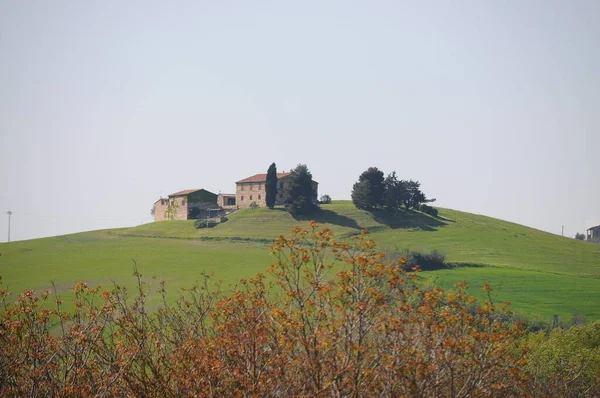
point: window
(250, 197)
(183, 202)
(258, 197)
(281, 185)
(162, 202)
(242, 188)
(242, 198)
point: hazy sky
(493, 105)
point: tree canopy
(299, 193)
(372, 191)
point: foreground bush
(566, 362)
(343, 323)
(199, 224)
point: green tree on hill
(413, 196)
(361, 195)
(369, 195)
(579, 236)
(299, 192)
(271, 186)
(395, 192)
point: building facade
(227, 201)
(253, 190)
(185, 205)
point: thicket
(340, 320)
(421, 260)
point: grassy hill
(540, 273)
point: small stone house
(593, 234)
(187, 205)
(252, 189)
(227, 201)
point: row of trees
(373, 191)
(298, 196)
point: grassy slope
(542, 274)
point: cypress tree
(271, 186)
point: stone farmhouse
(593, 234)
(193, 204)
(252, 189)
(186, 205)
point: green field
(540, 273)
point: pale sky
(493, 105)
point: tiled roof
(597, 226)
(184, 192)
(261, 178)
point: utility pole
(9, 214)
(562, 231)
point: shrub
(425, 261)
(204, 224)
(347, 323)
(428, 210)
(224, 219)
(579, 236)
(565, 362)
(325, 199)
(253, 205)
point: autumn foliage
(328, 319)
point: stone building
(593, 234)
(186, 205)
(227, 201)
(252, 189)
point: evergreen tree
(361, 195)
(299, 192)
(413, 196)
(395, 192)
(370, 195)
(271, 186)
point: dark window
(258, 197)
(242, 187)
(250, 197)
(183, 202)
(281, 185)
(162, 202)
(242, 198)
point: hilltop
(540, 273)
